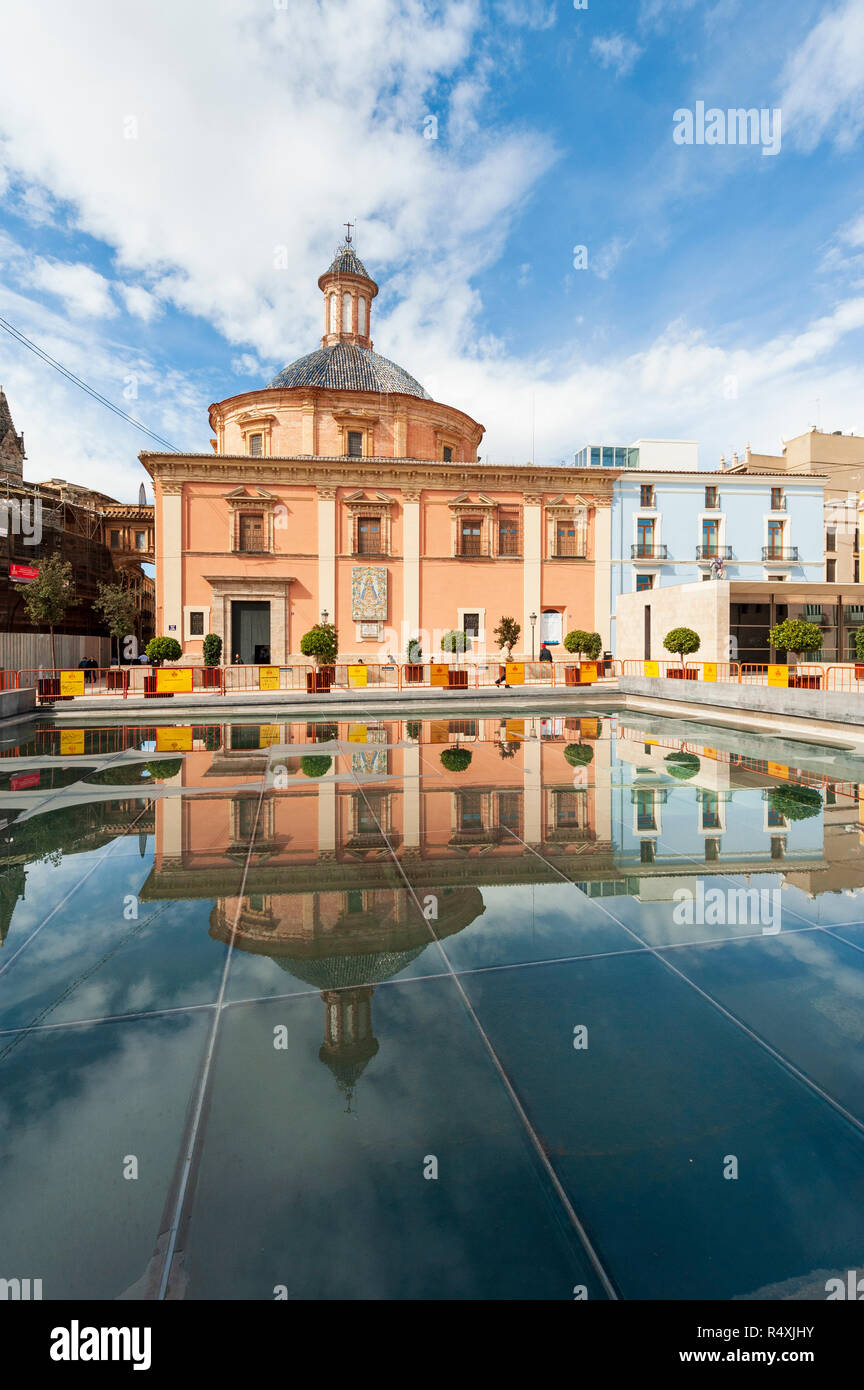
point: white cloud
(606, 259)
(247, 364)
(616, 52)
(82, 289)
(139, 302)
(823, 82)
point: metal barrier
(56, 683)
(9, 680)
(842, 678)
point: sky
(175, 177)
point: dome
(348, 367)
(347, 262)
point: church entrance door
(250, 632)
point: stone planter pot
(412, 674)
(152, 693)
(457, 680)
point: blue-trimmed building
(673, 527)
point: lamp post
(324, 615)
(532, 618)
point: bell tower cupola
(348, 291)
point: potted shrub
(315, 765)
(859, 654)
(455, 759)
(682, 641)
(212, 652)
(581, 643)
(457, 642)
(413, 672)
(682, 766)
(414, 729)
(160, 649)
(579, 754)
(794, 802)
(322, 644)
(795, 636)
(506, 634)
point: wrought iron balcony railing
(779, 552)
(649, 552)
(713, 552)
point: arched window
(334, 327)
(346, 313)
(361, 316)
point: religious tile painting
(369, 593)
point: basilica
(341, 490)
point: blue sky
(174, 180)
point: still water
(472, 1009)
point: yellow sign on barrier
(514, 672)
(590, 728)
(269, 734)
(172, 740)
(358, 733)
(71, 682)
(174, 680)
(515, 728)
(778, 770)
(71, 742)
(587, 672)
(268, 677)
(439, 673)
(778, 675)
(439, 731)
(358, 675)
(652, 668)
(709, 671)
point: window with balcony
(644, 538)
(250, 531)
(774, 549)
(711, 499)
(646, 495)
(647, 851)
(256, 445)
(645, 816)
(470, 537)
(368, 535)
(510, 811)
(355, 444)
(470, 810)
(710, 539)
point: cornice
(428, 475)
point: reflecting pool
(473, 1008)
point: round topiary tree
(163, 768)
(321, 643)
(683, 641)
(315, 765)
(579, 754)
(161, 649)
(794, 802)
(455, 759)
(212, 649)
(795, 636)
(507, 634)
(454, 641)
(683, 766)
(415, 652)
(583, 643)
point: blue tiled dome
(347, 262)
(347, 367)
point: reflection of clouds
(74, 1102)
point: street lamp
(532, 618)
(324, 615)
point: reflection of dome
(347, 972)
(348, 367)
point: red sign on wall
(25, 574)
(20, 781)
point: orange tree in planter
(683, 641)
